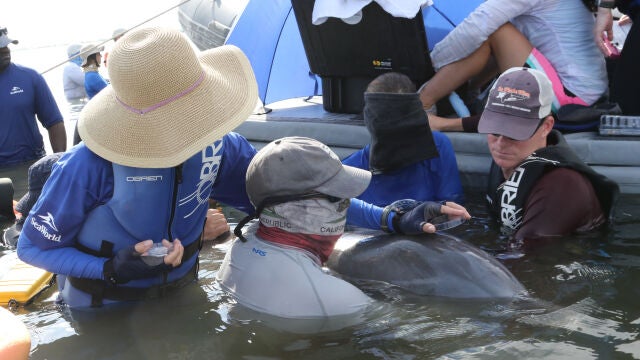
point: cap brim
(515, 127)
(347, 183)
(25, 203)
(11, 235)
(5, 41)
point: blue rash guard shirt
(80, 182)
(434, 179)
(93, 83)
(24, 94)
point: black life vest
(507, 197)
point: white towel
(350, 11)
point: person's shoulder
(359, 158)
(25, 70)
(562, 180)
(233, 140)
(563, 174)
(81, 155)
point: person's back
(72, 75)
(284, 281)
(408, 161)
(301, 192)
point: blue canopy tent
(268, 34)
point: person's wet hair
(391, 82)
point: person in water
(156, 146)
(538, 187)
(152, 152)
(301, 192)
(91, 55)
(73, 77)
(407, 159)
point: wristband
(607, 4)
(384, 219)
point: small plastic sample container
(446, 222)
(155, 255)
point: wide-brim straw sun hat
(166, 102)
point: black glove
(127, 265)
(409, 219)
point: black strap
(100, 289)
(106, 248)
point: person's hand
(128, 265)
(417, 220)
(624, 20)
(175, 252)
(603, 29)
(455, 210)
(215, 225)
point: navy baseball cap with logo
(518, 100)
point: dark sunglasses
(3, 31)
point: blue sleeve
(359, 159)
(46, 107)
(366, 215)
(93, 83)
(447, 177)
(230, 186)
(78, 182)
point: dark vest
(507, 197)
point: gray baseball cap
(518, 100)
(296, 166)
(4, 38)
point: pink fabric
(164, 102)
(539, 62)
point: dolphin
(437, 264)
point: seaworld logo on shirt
(42, 228)
(16, 90)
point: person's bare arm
(58, 137)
